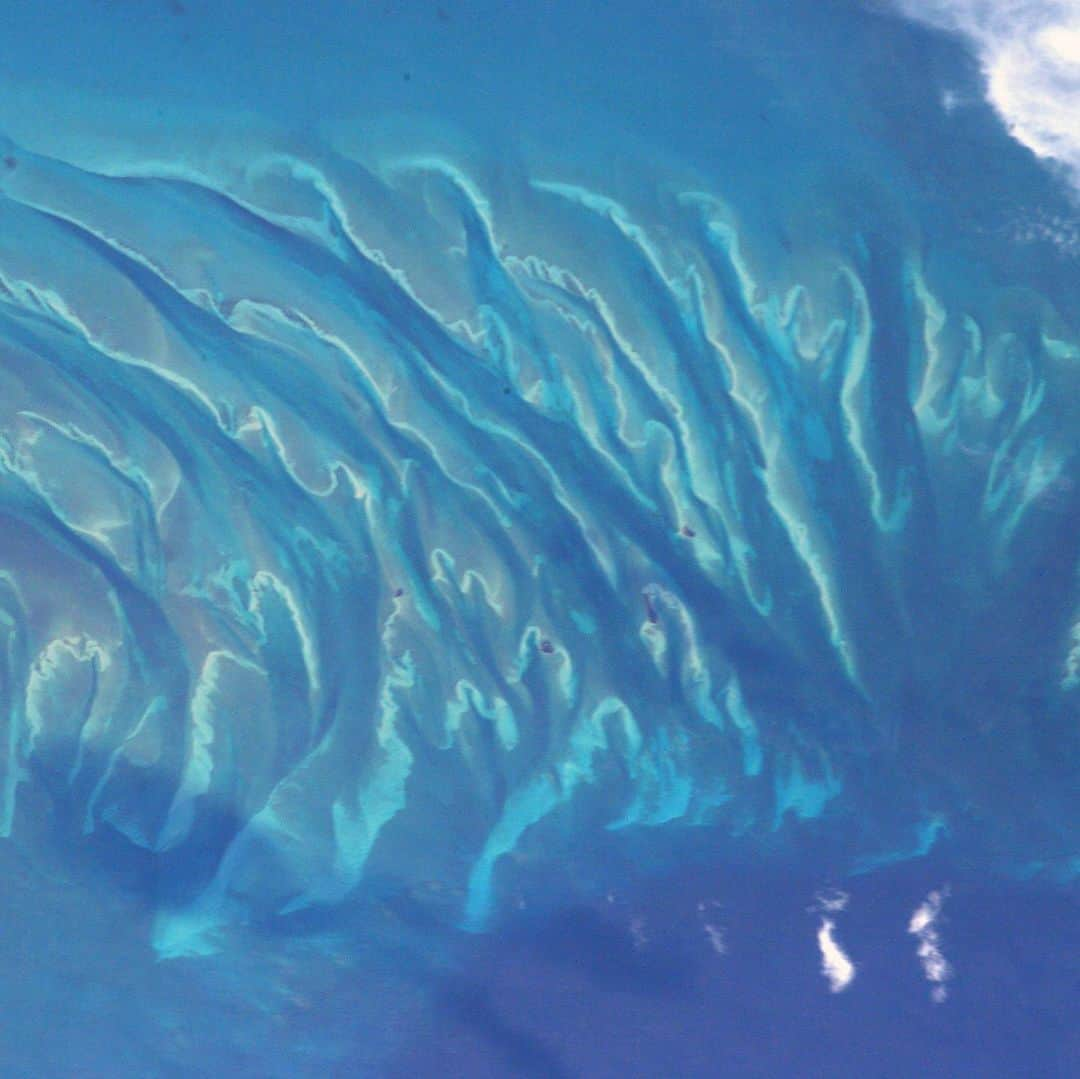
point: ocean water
(540, 539)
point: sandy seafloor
(537, 539)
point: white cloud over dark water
(1029, 52)
(924, 927)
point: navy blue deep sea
(539, 538)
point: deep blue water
(534, 540)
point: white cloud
(714, 934)
(838, 969)
(830, 900)
(1029, 51)
(923, 926)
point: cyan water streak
(374, 521)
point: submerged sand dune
(384, 518)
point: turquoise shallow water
(463, 465)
